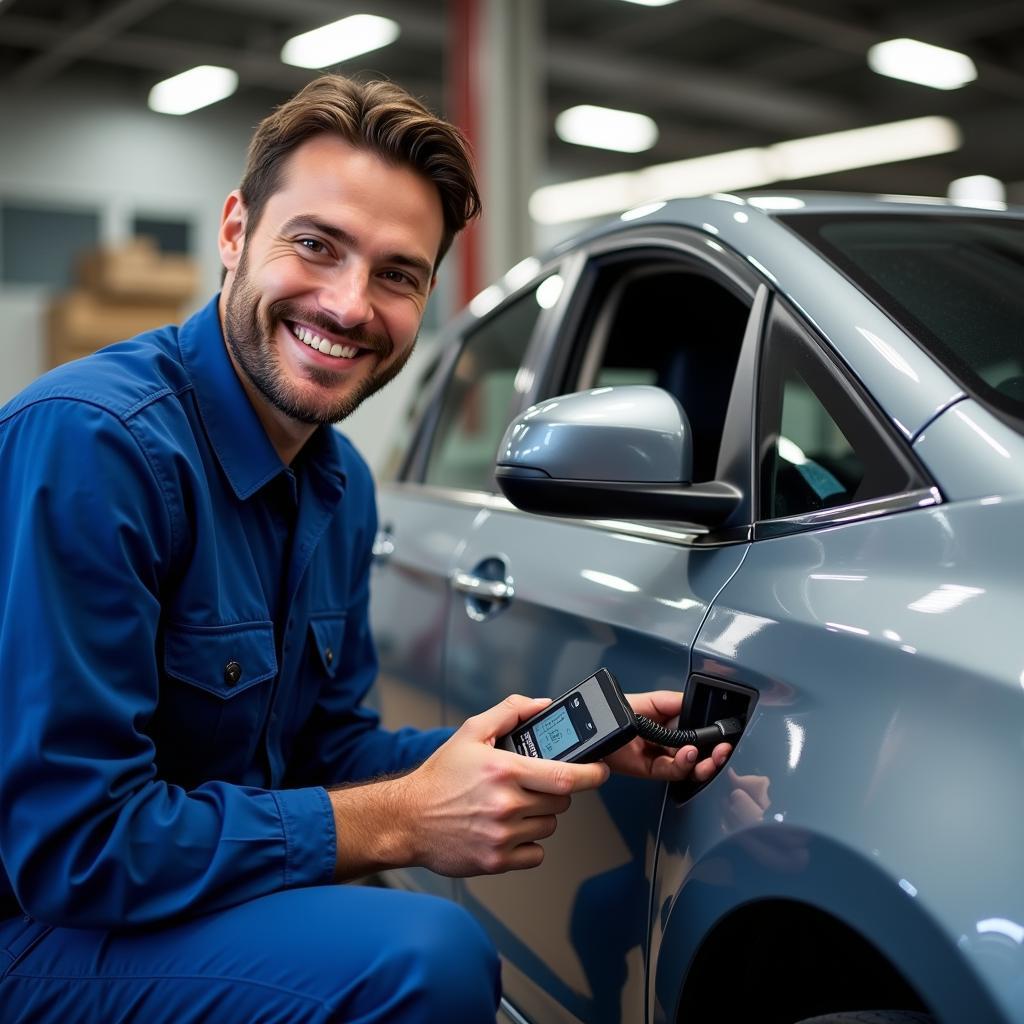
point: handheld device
(594, 719)
(588, 722)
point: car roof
(713, 213)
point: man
(185, 764)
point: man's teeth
(307, 337)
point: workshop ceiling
(716, 75)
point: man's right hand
(469, 809)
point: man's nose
(347, 297)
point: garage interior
(129, 199)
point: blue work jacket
(184, 645)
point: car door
(824, 621)
(578, 595)
(426, 513)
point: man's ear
(231, 238)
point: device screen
(555, 733)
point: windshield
(955, 283)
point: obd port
(708, 700)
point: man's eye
(317, 248)
(397, 277)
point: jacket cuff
(307, 822)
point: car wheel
(871, 1017)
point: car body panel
(889, 730)
(972, 454)
(634, 605)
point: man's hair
(379, 117)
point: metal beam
(81, 41)
(733, 97)
(159, 54)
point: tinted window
(819, 448)
(954, 283)
(480, 399)
(668, 325)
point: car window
(664, 323)
(955, 283)
(480, 398)
(819, 448)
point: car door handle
(383, 545)
(485, 590)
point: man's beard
(251, 343)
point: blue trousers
(338, 953)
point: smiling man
(186, 767)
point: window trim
(690, 247)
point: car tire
(871, 1017)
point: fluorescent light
(651, 3)
(604, 128)
(914, 61)
(978, 190)
(341, 40)
(745, 168)
(192, 89)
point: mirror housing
(609, 453)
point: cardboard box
(81, 322)
(139, 272)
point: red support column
(464, 109)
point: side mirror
(610, 453)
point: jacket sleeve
(342, 741)
(89, 835)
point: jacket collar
(235, 432)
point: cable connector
(726, 730)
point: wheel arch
(736, 927)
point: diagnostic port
(705, 701)
(708, 699)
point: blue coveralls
(184, 651)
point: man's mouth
(321, 344)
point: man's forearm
(373, 828)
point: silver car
(766, 451)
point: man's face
(325, 294)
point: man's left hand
(649, 761)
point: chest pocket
(327, 632)
(217, 688)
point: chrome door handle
(485, 590)
(383, 545)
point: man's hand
(469, 809)
(650, 761)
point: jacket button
(232, 673)
(329, 655)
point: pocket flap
(328, 632)
(223, 660)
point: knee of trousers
(442, 965)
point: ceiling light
(745, 168)
(192, 90)
(651, 3)
(341, 40)
(604, 128)
(978, 190)
(914, 61)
